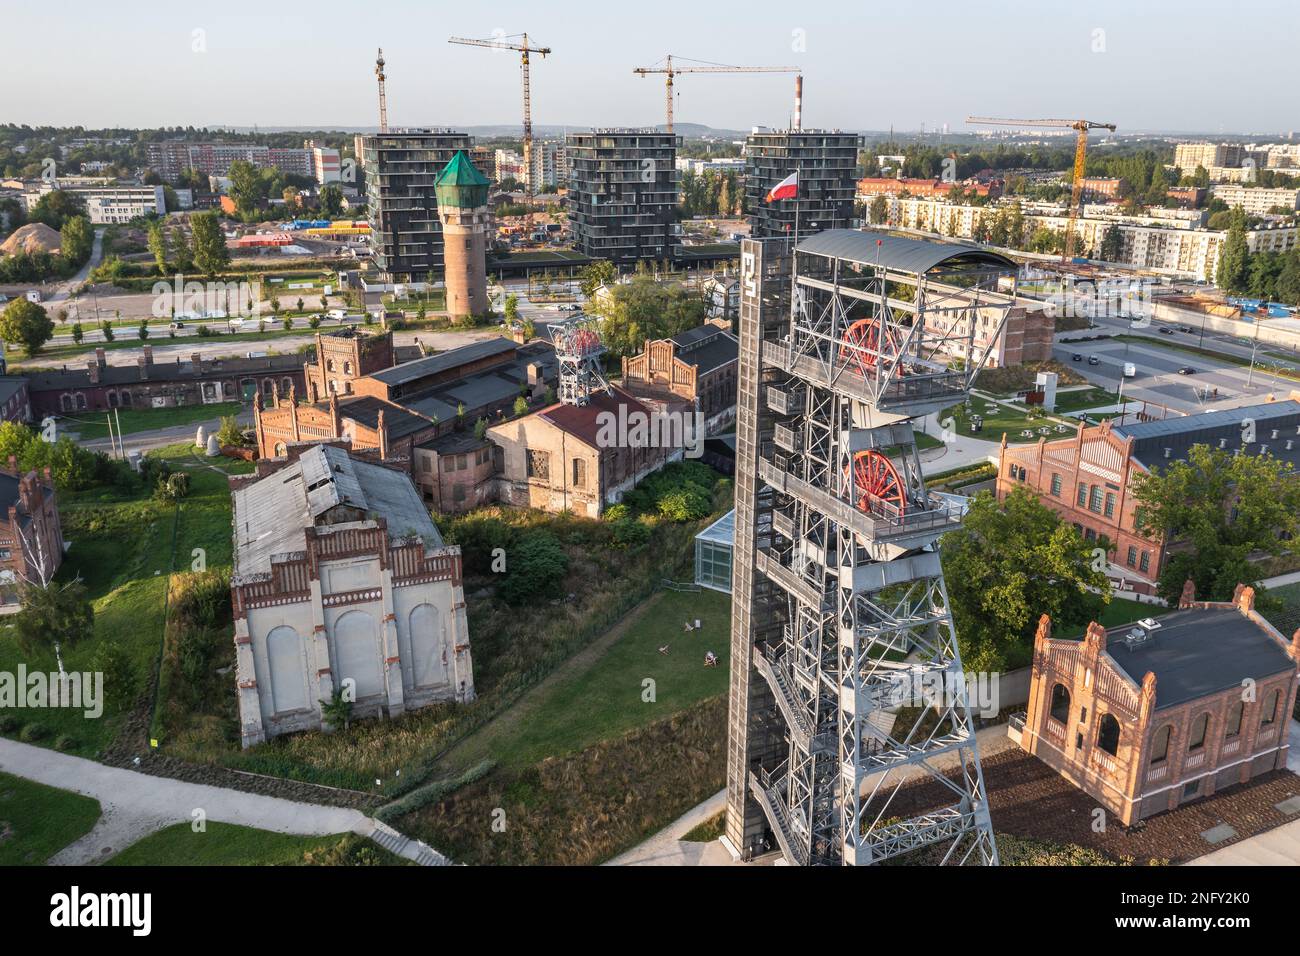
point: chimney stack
(100, 360)
(196, 360)
(93, 367)
(798, 101)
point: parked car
(1184, 328)
(1076, 357)
(1187, 370)
(1093, 360)
(1165, 330)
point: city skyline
(236, 67)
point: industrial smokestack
(798, 101)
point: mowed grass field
(604, 693)
(37, 821)
(226, 844)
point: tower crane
(1080, 161)
(669, 69)
(383, 101)
(523, 47)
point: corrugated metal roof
(1208, 421)
(271, 515)
(896, 252)
(410, 371)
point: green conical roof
(460, 184)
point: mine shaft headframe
(884, 316)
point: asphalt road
(1157, 379)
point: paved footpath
(137, 804)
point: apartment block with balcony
(826, 161)
(405, 232)
(623, 193)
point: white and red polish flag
(787, 188)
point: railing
(1231, 747)
(1104, 760)
(1054, 731)
(1158, 773)
(1194, 760)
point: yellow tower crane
(1080, 161)
(670, 69)
(523, 47)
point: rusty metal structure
(839, 611)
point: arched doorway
(288, 666)
(356, 642)
(427, 666)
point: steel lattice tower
(838, 601)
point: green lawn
(37, 821)
(1081, 398)
(70, 352)
(133, 420)
(120, 545)
(1000, 418)
(1120, 611)
(226, 844)
(605, 698)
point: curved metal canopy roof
(896, 252)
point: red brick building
(99, 386)
(31, 536)
(1088, 479)
(696, 368)
(342, 357)
(1145, 718)
(1097, 188)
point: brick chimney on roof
(196, 360)
(1244, 597)
(1188, 597)
(100, 360)
(93, 367)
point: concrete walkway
(137, 804)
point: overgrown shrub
(31, 732)
(535, 568)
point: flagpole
(798, 199)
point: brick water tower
(462, 193)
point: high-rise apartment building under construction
(826, 161)
(846, 681)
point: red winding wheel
(875, 480)
(862, 345)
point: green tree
(1234, 260)
(106, 329)
(1005, 567)
(53, 612)
(143, 329)
(27, 324)
(1111, 244)
(248, 188)
(592, 277)
(76, 239)
(480, 429)
(1288, 280)
(230, 432)
(512, 308)
(78, 333)
(56, 207)
(521, 406)
(210, 252)
(879, 210)
(1225, 507)
(158, 245)
(331, 201)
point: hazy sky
(1143, 64)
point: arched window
(1233, 727)
(81, 402)
(1196, 739)
(268, 385)
(288, 666)
(65, 402)
(1108, 734)
(1269, 713)
(356, 638)
(1060, 704)
(1160, 744)
(126, 399)
(347, 368)
(112, 399)
(427, 666)
(286, 384)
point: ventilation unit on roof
(1263, 448)
(1273, 434)
(1149, 624)
(1168, 452)
(1223, 443)
(1289, 443)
